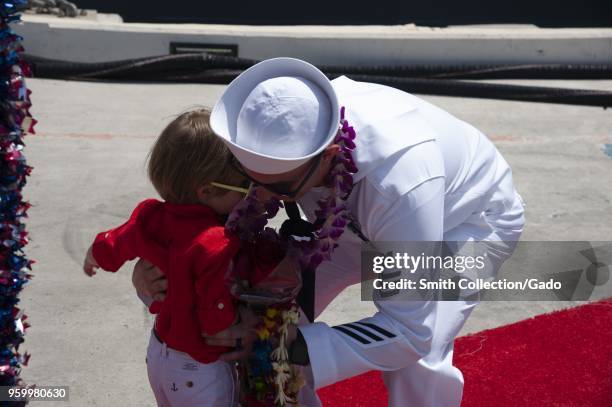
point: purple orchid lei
(248, 221)
(249, 218)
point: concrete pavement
(89, 172)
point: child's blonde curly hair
(186, 156)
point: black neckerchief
(296, 226)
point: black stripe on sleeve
(351, 334)
(377, 329)
(365, 332)
(387, 275)
(388, 293)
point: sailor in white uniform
(423, 175)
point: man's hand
(90, 264)
(242, 333)
(149, 281)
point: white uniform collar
(385, 120)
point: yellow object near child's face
(223, 203)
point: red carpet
(558, 359)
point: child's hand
(90, 263)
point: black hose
(448, 87)
(198, 62)
(149, 67)
(424, 79)
(550, 71)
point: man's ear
(330, 152)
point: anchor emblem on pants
(174, 388)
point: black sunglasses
(280, 188)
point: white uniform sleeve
(400, 333)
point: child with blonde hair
(184, 236)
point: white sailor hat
(277, 115)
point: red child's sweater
(190, 245)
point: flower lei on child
(272, 380)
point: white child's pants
(178, 380)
